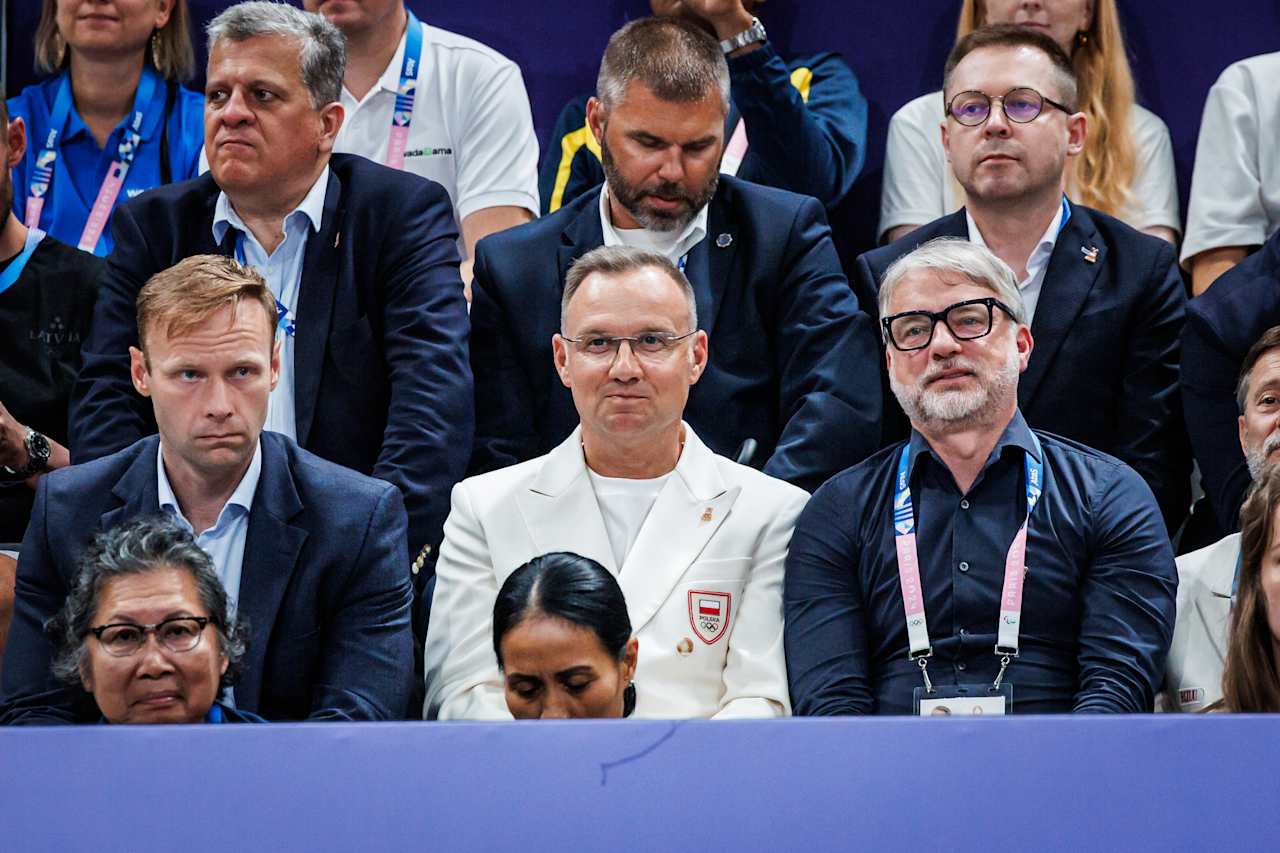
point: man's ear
(16, 139)
(138, 371)
(597, 117)
(331, 117)
(560, 355)
(1077, 131)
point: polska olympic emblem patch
(709, 614)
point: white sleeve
(1225, 208)
(915, 167)
(1154, 194)
(755, 670)
(463, 681)
(498, 162)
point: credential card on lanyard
(402, 112)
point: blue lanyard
(130, 140)
(406, 92)
(1066, 214)
(684, 259)
(909, 566)
(14, 270)
(284, 323)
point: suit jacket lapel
(320, 268)
(271, 552)
(560, 509)
(710, 262)
(689, 510)
(1215, 606)
(581, 234)
(136, 489)
(1067, 282)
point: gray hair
(144, 545)
(676, 59)
(957, 255)
(322, 48)
(618, 260)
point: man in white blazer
(696, 541)
(1206, 578)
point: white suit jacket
(703, 581)
(1193, 673)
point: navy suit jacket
(1104, 370)
(382, 382)
(1222, 324)
(793, 362)
(324, 587)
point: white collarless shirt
(1037, 263)
(625, 504)
(672, 245)
(471, 130)
(283, 271)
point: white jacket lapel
(689, 510)
(1215, 607)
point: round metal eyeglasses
(180, 634)
(1020, 105)
(967, 320)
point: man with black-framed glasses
(1106, 302)
(980, 567)
(696, 541)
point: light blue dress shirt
(283, 271)
(224, 542)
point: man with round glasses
(981, 565)
(1105, 302)
(696, 541)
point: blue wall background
(1177, 47)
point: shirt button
(964, 567)
(963, 632)
(964, 504)
(961, 666)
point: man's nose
(626, 365)
(944, 344)
(997, 123)
(218, 400)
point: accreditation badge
(964, 700)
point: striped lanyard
(286, 321)
(12, 272)
(402, 114)
(130, 141)
(909, 569)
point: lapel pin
(1090, 254)
(706, 514)
(724, 240)
(336, 238)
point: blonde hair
(170, 52)
(1104, 171)
(186, 294)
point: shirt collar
(1016, 434)
(390, 79)
(242, 497)
(153, 117)
(691, 236)
(312, 207)
(1040, 254)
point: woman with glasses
(111, 121)
(563, 640)
(1251, 680)
(147, 629)
(1126, 168)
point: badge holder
(965, 700)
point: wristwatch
(751, 35)
(37, 456)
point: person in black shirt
(46, 302)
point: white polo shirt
(471, 132)
(1235, 189)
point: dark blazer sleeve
(827, 361)
(31, 694)
(368, 643)
(430, 415)
(828, 666)
(814, 147)
(1126, 599)
(569, 166)
(505, 411)
(107, 414)
(1149, 427)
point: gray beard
(951, 409)
(1256, 457)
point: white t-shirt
(1235, 189)
(918, 186)
(672, 245)
(471, 132)
(625, 504)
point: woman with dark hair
(1251, 680)
(111, 120)
(563, 640)
(133, 630)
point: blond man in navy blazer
(697, 541)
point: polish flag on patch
(708, 607)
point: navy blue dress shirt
(1098, 602)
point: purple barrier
(1136, 783)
